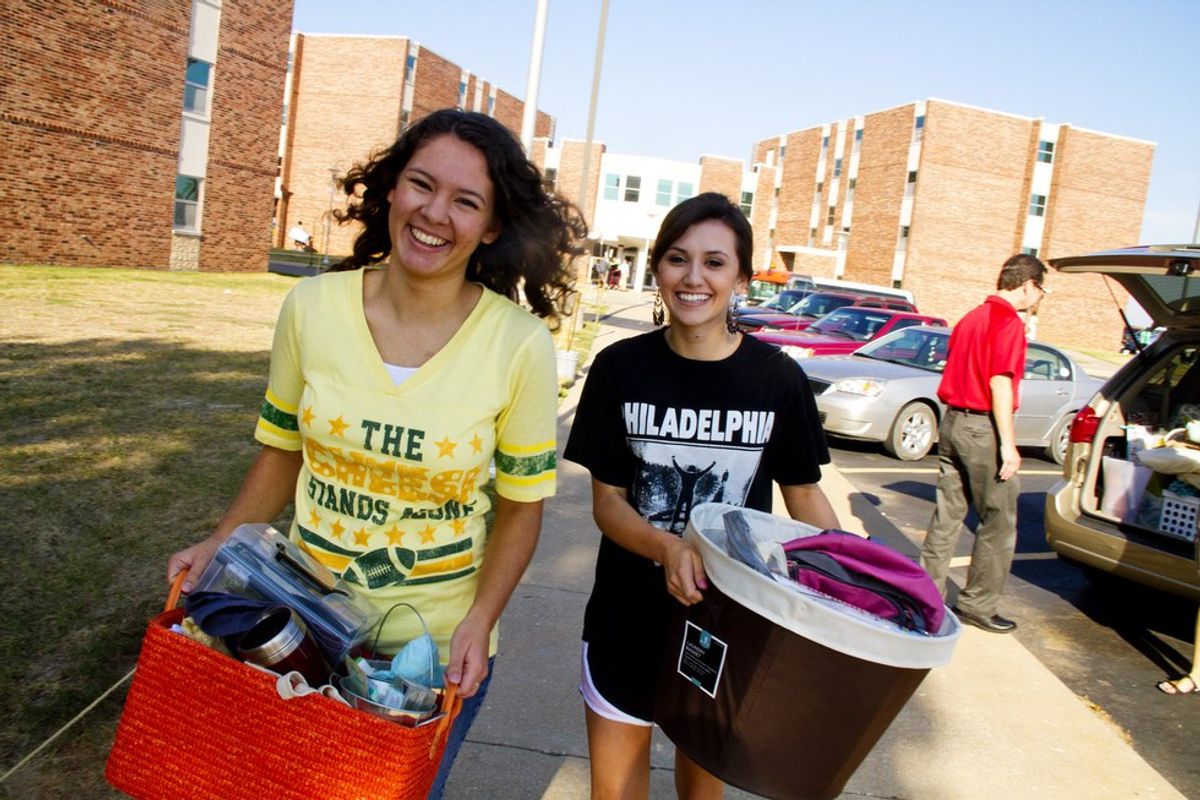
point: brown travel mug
(280, 641)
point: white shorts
(596, 702)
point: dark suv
(1128, 502)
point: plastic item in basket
(1179, 516)
(260, 562)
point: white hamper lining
(817, 618)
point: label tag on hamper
(701, 659)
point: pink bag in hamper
(867, 575)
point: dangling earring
(731, 318)
(658, 315)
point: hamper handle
(176, 589)
(453, 704)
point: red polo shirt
(990, 340)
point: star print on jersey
(337, 426)
(446, 447)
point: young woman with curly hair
(401, 375)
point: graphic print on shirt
(393, 504)
(690, 456)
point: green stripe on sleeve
(523, 466)
(277, 417)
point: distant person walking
(977, 449)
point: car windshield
(783, 301)
(859, 324)
(915, 347)
(818, 305)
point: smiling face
(442, 208)
(697, 276)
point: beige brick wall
(882, 173)
(570, 172)
(971, 200)
(970, 207)
(763, 192)
(1096, 201)
(339, 115)
(723, 175)
(346, 104)
(796, 190)
(90, 115)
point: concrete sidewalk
(994, 723)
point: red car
(843, 330)
(817, 305)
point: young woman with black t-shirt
(689, 414)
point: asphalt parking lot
(1110, 641)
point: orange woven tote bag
(199, 725)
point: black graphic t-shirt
(676, 433)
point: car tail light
(1083, 427)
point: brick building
(140, 133)
(627, 196)
(932, 196)
(348, 96)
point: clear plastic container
(259, 562)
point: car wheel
(913, 432)
(1060, 440)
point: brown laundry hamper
(776, 691)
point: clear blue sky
(689, 77)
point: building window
(837, 167)
(829, 216)
(1037, 205)
(904, 229)
(920, 123)
(1029, 251)
(633, 188)
(410, 68)
(912, 176)
(195, 86)
(858, 134)
(824, 141)
(1045, 152)
(462, 94)
(549, 176)
(405, 116)
(820, 186)
(612, 186)
(782, 151)
(663, 196)
(853, 182)
(491, 112)
(187, 202)
(684, 191)
(747, 203)
(812, 233)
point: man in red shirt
(977, 450)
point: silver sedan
(887, 392)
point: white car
(886, 391)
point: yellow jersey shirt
(390, 493)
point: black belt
(972, 411)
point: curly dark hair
(539, 232)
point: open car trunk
(1142, 467)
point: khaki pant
(969, 462)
